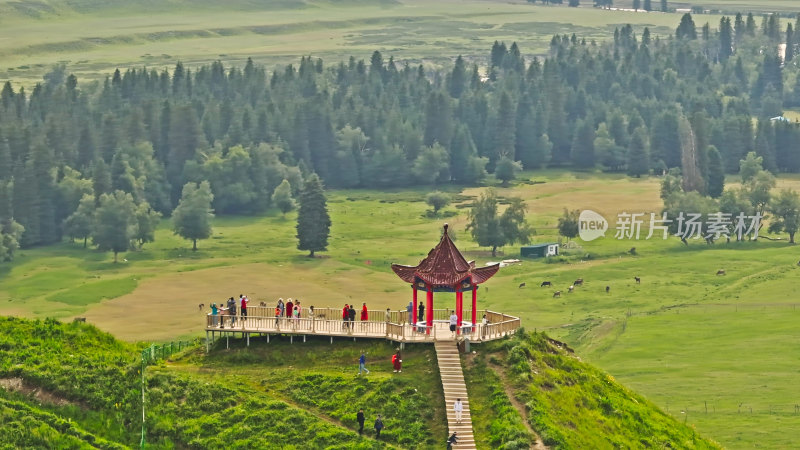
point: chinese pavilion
(445, 270)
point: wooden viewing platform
(261, 320)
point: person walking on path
(397, 362)
(458, 408)
(453, 323)
(378, 427)
(451, 441)
(360, 419)
(362, 363)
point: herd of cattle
(579, 282)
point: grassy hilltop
(714, 351)
(273, 395)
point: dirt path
(539, 444)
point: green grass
(567, 400)
(371, 230)
(93, 41)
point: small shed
(539, 250)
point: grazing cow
(262, 304)
(721, 272)
(522, 285)
(638, 280)
(79, 319)
(798, 263)
(556, 294)
(578, 282)
(545, 283)
(201, 306)
(632, 251)
(608, 289)
(570, 289)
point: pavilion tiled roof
(444, 266)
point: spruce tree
(458, 78)
(192, 217)
(313, 221)
(647, 5)
(716, 172)
(725, 39)
(582, 153)
(638, 154)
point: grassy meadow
(685, 337)
(96, 37)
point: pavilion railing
(262, 318)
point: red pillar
(474, 305)
(414, 311)
(459, 308)
(429, 308)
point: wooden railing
(262, 319)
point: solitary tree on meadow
(437, 200)
(192, 217)
(282, 197)
(115, 222)
(79, 224)
(313, 221)
(491, 229)
(568, 224)
(785, 208)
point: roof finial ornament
(445, 228)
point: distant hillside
(46, 8)
(70, 385)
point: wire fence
(157, 352)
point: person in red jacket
(345, 315)
(397, 361)
(364, 314)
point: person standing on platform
(243, 308)
(362, 363)
(378, 427)
(360, 419)
(453, 323)
(410, 310)
(214, 313)
(421, 315)
(278, 315)
(364, 314)
(289, 308)
(281, 306)
(388, 315)
(345, 315)
(352, 315)
(232, 310)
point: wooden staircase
(454, 387)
